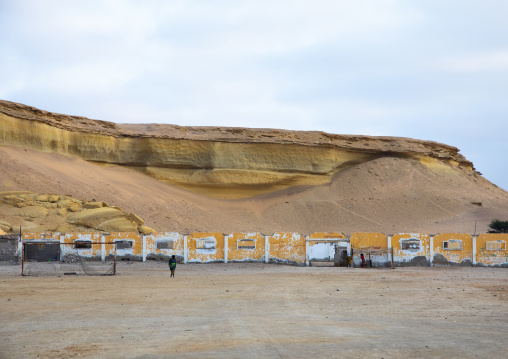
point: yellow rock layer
(217, 162)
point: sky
(427, 69)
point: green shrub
(498, 226)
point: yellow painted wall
(287, 247)
(324, 236)
(491, 257)
(236, 253)
(205, 255)
(176, 238)
(93, 237)
(136, 250)
(401, 255)
(37, 236)
(361, 241)
(365, 240)
(452, 255)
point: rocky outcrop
(217, 162)
(46, 212)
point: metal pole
(22, 259)
(393, 263)
(22, 253)
(114, 264)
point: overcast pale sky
(427, 69)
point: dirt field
(256, 311)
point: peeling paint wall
(362, 240)
(246, 247)
(205, 247)
(162, 245)
(411, 248)
(36, 236)
(124, 250)
(453, 248)
(93, 252)
(491, 249)
(370, 240)
(287, 247)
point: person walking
(364, 264)
(172, 265)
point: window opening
(82, 245)
(495, 245)
(165, 244)
(207, 243)
(412, 245)
(453, 245)
(124, 244)
(246, 244)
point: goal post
(47, 258)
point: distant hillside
(236, 179)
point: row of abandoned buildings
(292, 248)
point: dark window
(246, 244)
(165, 244)
(42, 252)
(124, 245)
(82, 245)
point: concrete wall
(363, 240)
(246, 247)
(205, 247)
(130, 247)
(287, 248)
(453, 248)
(491, 249)
(411, 248)
(292, 248)
(37, 236)
(360, 241)
(94, 252)
(162, 245)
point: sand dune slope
(387, 195)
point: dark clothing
(172, 266)
(172, 263)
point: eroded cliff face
(213, 161)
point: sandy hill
(233, 179)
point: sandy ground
(253, 310)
